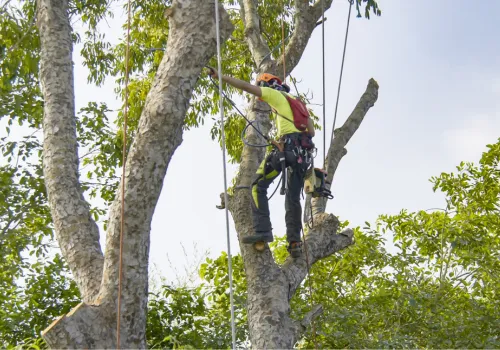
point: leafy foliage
(199, 317)
(45, 292)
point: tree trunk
(74, 226)
(191, 43)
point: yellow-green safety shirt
(279, 102)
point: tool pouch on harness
(315, 183)
(302, 140)
(306, 141)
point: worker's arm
(237, 83)
(310, 127)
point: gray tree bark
(270, 286)
(74, 226)
(191, 43)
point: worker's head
(272, 81)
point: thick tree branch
(76, 232)
(342, 136)
(85, 327)
(316, 8)
(258, 46)
(306, 18)
(191, 43)
(321, 242)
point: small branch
(311, 315)
(30, 26)
(17, 218)
(86, 183)
(301, 326)
(88, 153)
(4, 6)
(222, 202)
(321, 21)
(27, 139)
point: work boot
(295, 249)
(258, 237)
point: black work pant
(268, 171)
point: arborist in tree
(293, 152)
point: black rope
(276, 189)
(248, 143)
(342, 66)
(250, 123)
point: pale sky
(439, 103)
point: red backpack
(299, 110)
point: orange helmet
(272, 81)
(267, 78)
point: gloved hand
(212, 72)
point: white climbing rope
(324, 81)
(221, 108)
(351, 2)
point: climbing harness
(299, 110)
(221, 108)
(124, 161)
(301, 146)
